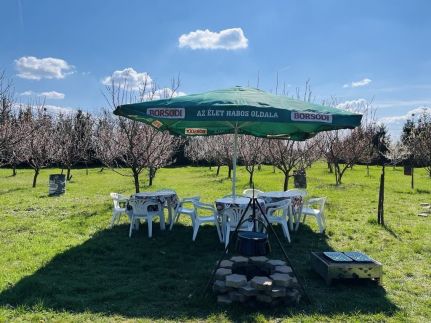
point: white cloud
(53, 95)
(402, 118)
(49, 95)
(50, 109)
(164, 93)
(360, 83)
(33, 68)
(352, 104)
(402, 103)
(229, 39)
(54, 109)
(27, 93)
(128, 78)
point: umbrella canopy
(246, 110)
(239, 110)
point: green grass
(60, 262)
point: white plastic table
(167, 198)
(296, 200)
(225, 203)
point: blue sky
(351, 50)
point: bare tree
(122, 142)
(196, 149)
(347, 147)
(251, 153)
(423, 139)
(8, 137)
(343, 149)
(73, 139)
(38, 149)
(397, 153)
(287, 155)
(223, 152)
(417, 137)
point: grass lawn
(60, 261)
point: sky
(354, 51)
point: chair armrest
(277, 205)
(123, 199)
(190, 199)
(315, 200)
(205, 206)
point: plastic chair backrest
(283, 205)
(190, 200)
(234, 214)
(140, 206)
(296, 192)
(203, 206)
(231, 196)
(250, 192)
(320, 201)
(117, 198)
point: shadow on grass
(11, 190)
(412, 192)
(164, 277)
(421, 191)
(392, 232)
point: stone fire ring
(251, 280)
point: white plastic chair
(182, 209)
(296, 212)
(167, 206)
(199, 218)
(231, 196)
(118, 210)
(232, 216)
(296, 192)
(279, 212)
(308, 209)
(250, 192)
(141, 211)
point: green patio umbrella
(239, 110)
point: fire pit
(253, 280)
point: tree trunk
(250, 180)
(286, 181)
(13, 170)
(68, 176)
(218, 170)
(151, 175)
(62, 169)
(259, 167)
(229, 173)
(36, 173)
(368, 170)
(330, 168)
(86, 168)
(273, 169)
(337, 174)
(413, 181)
(136, 180)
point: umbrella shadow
(164, 278)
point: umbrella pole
(235, 154)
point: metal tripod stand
(252, 203)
